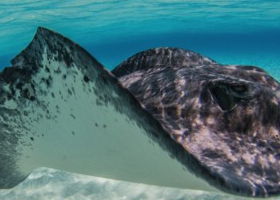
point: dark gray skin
(226, 117)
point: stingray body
(227, 117)
(157, 114)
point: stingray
(165, 116)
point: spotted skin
(226, 116)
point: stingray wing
(60, 108)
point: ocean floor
(46, 184)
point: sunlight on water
(102, 20)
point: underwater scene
(139, 99)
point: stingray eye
(223, 98)
(239, 88)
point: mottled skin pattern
(227, 117)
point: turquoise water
(232, 32)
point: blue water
(230, 32)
